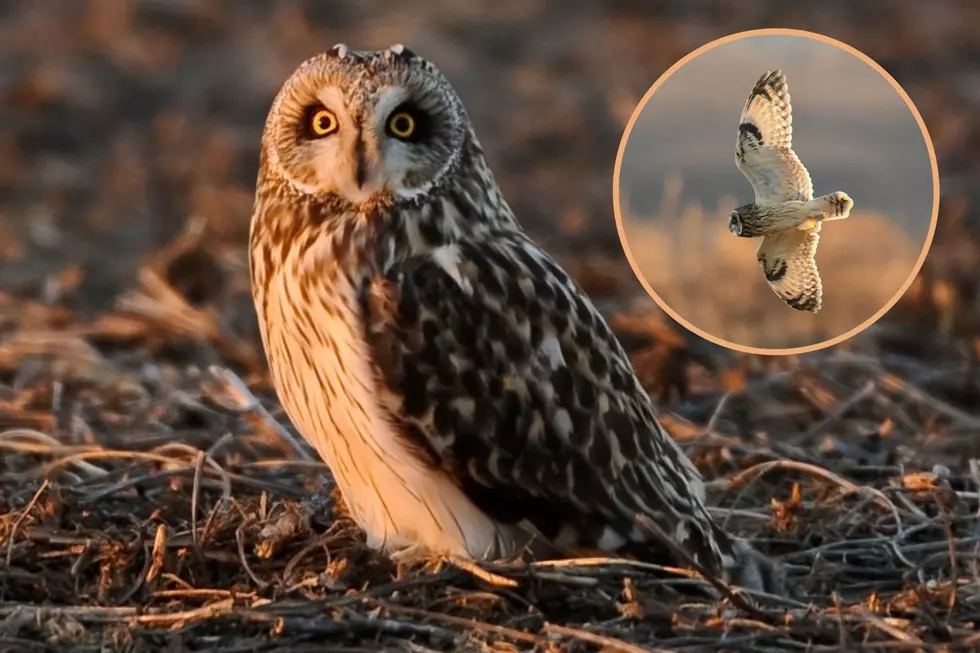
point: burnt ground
(149, 502)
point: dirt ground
(149, 500)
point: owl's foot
(407, 555)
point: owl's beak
(362, 183)
(360, 163)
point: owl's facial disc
(414, 143)
(336, 154)
(390, 144)
(735, 223)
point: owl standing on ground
(785, 212)
(468, 398)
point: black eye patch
(317, 122)
(409, 122)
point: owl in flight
(785, 213)
(468, 398)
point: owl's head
(735, 222)
(365, 127)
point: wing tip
(806, 302)
(772, 76)
(772, 107)
(771, 84)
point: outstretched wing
(502, 374)
(764, 149)
(788, 261)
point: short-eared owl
(466, 395)
(785, 212)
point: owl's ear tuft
(339, 51)
(399, 52)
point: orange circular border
(617, 211)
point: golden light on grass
(713, 280)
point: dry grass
(713, 281)
(150, 502)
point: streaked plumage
(464, 392)
(785, 212)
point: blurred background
(853, 131)
(126, 121)
(131, 133)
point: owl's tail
(835, 206)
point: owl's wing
(500, 372)
(764, 148)
(788, 259)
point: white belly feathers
(322, 372)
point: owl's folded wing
(788, 259)
(764, 147)
(503, 376)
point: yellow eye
(402, 124)
(323, 122)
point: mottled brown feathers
(521, 392)
(464, 392)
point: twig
(218, 608)
(680, 554)
(486, 576)
(357, 626)
(17, 439)
(248, 402)
(195, 498)
(20, 519)
(760, 469)
(607, 643)
(468, 624)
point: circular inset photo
(776, 191)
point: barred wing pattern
(764, 148)
(788, 259)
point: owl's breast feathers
(500, 374)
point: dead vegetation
(714, 281)
(151, 493)
(151, 502)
